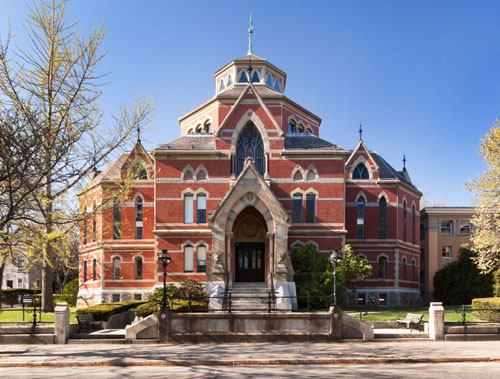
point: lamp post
(334, 258)
(165, 260)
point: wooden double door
(250, 262)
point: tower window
(360, 172)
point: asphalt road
(456, 370)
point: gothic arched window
(360, 172)
(250, 144)
(382, 218)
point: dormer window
(360, 172)
(292, 127)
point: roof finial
(138, 132)
(404, 161)
(360, 132)
(250, 31)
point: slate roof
(263, 91)
(111, 172)
(190, 143)
(307, 142)
(386, 171)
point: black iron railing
(476, 315)
(29, 306)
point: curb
(249, 362)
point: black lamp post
(334, 258)
(165, 260)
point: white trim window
(464, 227)
(446, 227)
(446, 251)
(188, 258)
(188, 209)
(201, 258)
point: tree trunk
(47, 290)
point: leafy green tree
(461, 281)
(314, 273)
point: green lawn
(8, 315)
(393, 313)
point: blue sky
(423, 77)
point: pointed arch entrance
(250, 246)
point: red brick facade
(203, 200)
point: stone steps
(24, 338)
(249, 297)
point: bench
(412, 321)
(88, 323)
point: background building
(248, 179)
(443, 230)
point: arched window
(117, 268)
(309, 131)
(311, 175)
(360, 220)
(200, 176)
(300, 129)
(413, 273)
(94, 222)
(138, 218)
(85, 224)
(138, 268)
(140, 173)
(382, 268)
(298, 176)
(413, 216)
(250, 144)
(190, 131)
(85, 270)
(117, 220)
(94, 269)
(292, 127)
(188, 175)
(382, 218)
(208, 127)
(403, 269)
(404, 220)
(310, 208)
(198, 129)
(360, 172)
(201, 258)
(188, 258)
(297, 208)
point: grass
(452, 313)
(14, 315)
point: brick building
(248, 179)
(443, 230)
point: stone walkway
(248, 354)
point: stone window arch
(360, 217)
(382, 267)
(382, 218)
(312, 174)
(201, 173)
(117, 267)
(360, 172)
(250, 144)
(139, 216)
(188, 174)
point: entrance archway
(250, 246)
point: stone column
(436, 321)
(61, 323)
(164, 325)
(335, 322)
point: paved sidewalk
(248, 354)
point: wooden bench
(412, 321)
(88, 323)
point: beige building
(442, 231)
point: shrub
(71, 288)
(488, 303)
(103, 312)
(65, 298)
(461, 281)
(496, 283)
(175, 305)
(10, 295)
(188, 287)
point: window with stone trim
(138, 268)
(201, 258)
(139, 215)
(297, 216)
(117, 220)
(403, 269)
(446, 227)
(382, 218)
(404, 220)
(464, 227)
(360, 172)
(413, 221)
(310, 208)
(188, 258)
(188, 208)
(250, 145)
(201, 209)
(94, 269)
(446, 251)
(85, 270)
(382, 267)
(360, 219)
(117, 268)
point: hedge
(103, 312)
(488, 303)
(175, 305)
(9, 295)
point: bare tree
(54, 86)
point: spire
(250, 31)
(404, 161)
(360, 132)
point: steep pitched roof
(307, 142)
(197, 142)
(386, 171)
